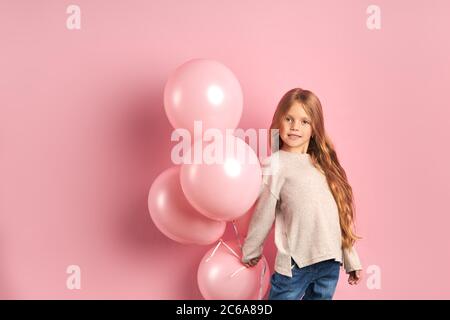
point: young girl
(307, 194)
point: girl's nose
(295, 125)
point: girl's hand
(252, 262)
(354, 277)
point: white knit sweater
(296, 195)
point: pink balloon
(242, 223)
(222, 276)
(203, 90)
(225, 190)
(175, 217)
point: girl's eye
(288, 119)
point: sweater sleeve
(263, 215)
(351, 260)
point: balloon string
(261, 280)
(236, 232)
(237, 271)
(232, 251)
(217, 248)
(214, 251)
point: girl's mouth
(294, 136)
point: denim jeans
(314, 282)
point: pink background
(84, 133)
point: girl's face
(295, 129)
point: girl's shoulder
(273, 164)
(273, 173)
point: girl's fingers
(252, 262)
(353, 280)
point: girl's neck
(293, 150)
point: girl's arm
(352, 265)
(260, 225)
(264, 213)
(351, 260)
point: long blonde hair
(323, 156)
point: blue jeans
(314, 282)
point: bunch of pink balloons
(192, 202)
